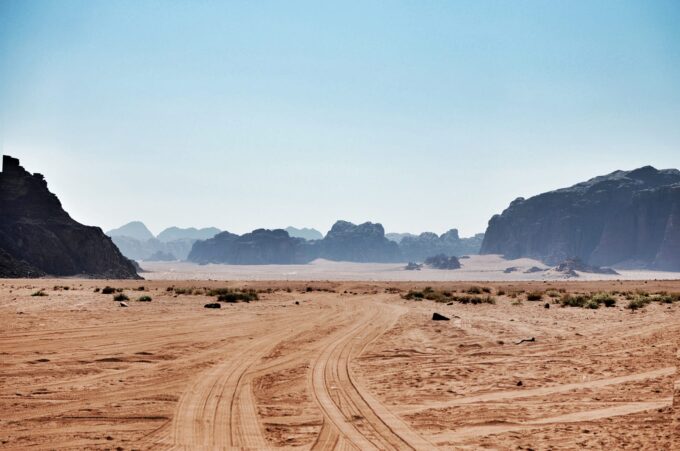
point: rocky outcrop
(426, 244)
(38, 237)
(626, 218)
(344, 242)
(359, 243)
(572, 265)
(258, 247)
(442, 261)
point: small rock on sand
(438, 317)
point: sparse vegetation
(120, 297)
(447, 296)
(232, 295)
(144, 299)
(108, 290)
(40, 292)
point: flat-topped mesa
(38, 237)
(624, 219)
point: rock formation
(344, 242)
(38, 237)
(419, 247)
(258, 247)
(441, 261)
(359, 243)
(626, 218)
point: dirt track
(353, 368)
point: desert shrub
(39, 293)
(474, 290)
(120, 297)
(578, 300)
(604, 298)
(144, 299)
(97, 290)
(500, 292)
(553, 294)
(169, 288)
(638, 303)
(534, 296)
(661, 298)
(233, 295)
(108, 290)
(141, 288)
(486, 290)
(592, 304)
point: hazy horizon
(423, 117)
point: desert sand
(333, 365)
(474, 267)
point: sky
(423, 116)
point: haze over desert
(339, 226)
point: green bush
(108, 290)
(39, 293)
(144, 299)
(121, 297)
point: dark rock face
(359, 243)
(441, 261)
(426, 244)
(258, 247)
(627, 218)
(38, 237)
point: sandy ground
(347, 365)
(476, 267)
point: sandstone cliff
(626, 218)
(38, 237)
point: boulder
(438, 317)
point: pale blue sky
(420, 115)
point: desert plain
(335, 365)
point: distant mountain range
(137, 242)
(345, 241)
(624, 219)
